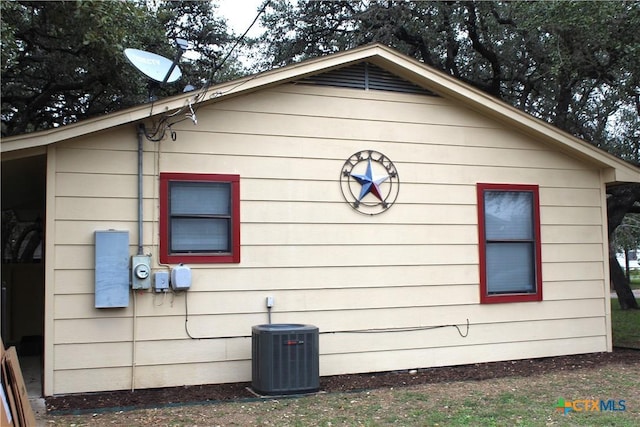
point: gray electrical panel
(112, 269)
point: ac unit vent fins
(285, 359)
(365, 76)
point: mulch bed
(146, 398)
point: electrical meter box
(140, 272)
(180, 277)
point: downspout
(140, 154)
(141, 132)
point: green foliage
(634, 279)
(574, 64)
(196, 21)
(625, 325)
(627, 234)
(63, 61)
(588, 60)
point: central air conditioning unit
(285, 359)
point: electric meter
(141, 272)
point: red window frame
(228, 257)
(485, 297)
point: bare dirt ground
(153, 398)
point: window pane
(200, 235)
(200, 198)
(510, 268)
(508, 215)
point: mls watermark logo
(590, 405)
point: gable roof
(381, 56)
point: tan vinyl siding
(325, 264)
(444, 356)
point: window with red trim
(509, 240)
(199, 218)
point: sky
(240, 14)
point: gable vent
(364, 76)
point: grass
(625, 325)
(514, 401)
(634, 279)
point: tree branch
(484, 51)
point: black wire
(160, 129)
(264, 7)
(351, 331)
(206, 86)
(186, 326)
(403, 329)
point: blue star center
(370, 183)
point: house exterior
(416, 221)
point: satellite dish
(154, 66)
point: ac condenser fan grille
(285, 359)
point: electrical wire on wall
(402, 329)
(164, 124)
(133, 344)
(186, 325)
(155, 226)
(347, 331)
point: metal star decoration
(356, 186)
(370, 183)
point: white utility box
(180, 277)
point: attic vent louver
(364, 76)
